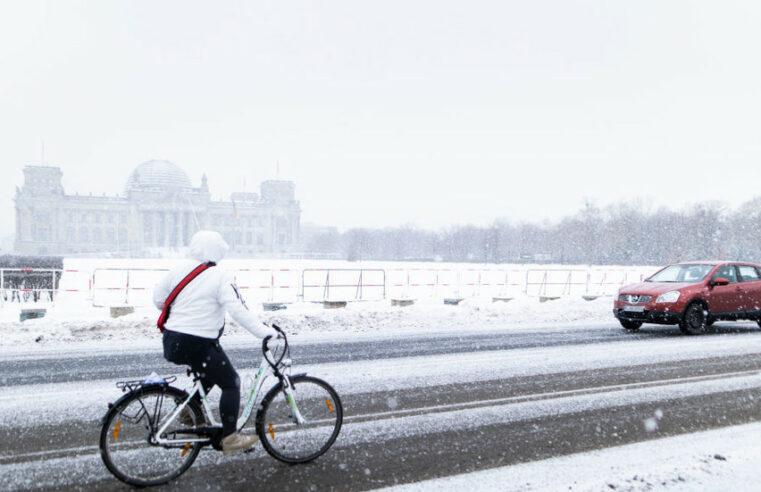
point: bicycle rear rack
(134, 384)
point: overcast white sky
(388, 112)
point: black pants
(206, 357)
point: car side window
(748, 273)
(728, 272)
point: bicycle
(154, 433)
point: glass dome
(157, 175)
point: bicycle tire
(289, 442)
(125, 446)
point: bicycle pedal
(250, 450)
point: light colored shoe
(237, 442)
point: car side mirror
(720, 281)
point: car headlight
(671, 296)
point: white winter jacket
(200, 307)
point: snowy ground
(716, 460)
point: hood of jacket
(207, 246)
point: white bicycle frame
(265, 370)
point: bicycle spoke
(289, 441)
(128, 447)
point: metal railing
(343, 283)
(269, 284)
(555, 282)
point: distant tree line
(626, 234)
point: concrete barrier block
(32, 313)
(402, 302)
(274, 306)
(334, 304)
(118, 311)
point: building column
(295, 233)
(165, 239)
(156, 229)
(191, 227)
(179, 217)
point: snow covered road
(461, 408)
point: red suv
(692, 295)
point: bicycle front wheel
(127, 440)
(285, 439)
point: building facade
(158, 211)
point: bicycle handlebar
(265, 351)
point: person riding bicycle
(191, 334)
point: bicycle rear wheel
(127, 446)
(284, 439)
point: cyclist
(192, 331)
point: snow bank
(78, 326)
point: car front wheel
(694, 320)
(630, 325)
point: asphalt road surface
(132, 365)
(499, 420)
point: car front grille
(635, 299)
(633, 315)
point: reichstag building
(158, 211)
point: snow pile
(68, 325)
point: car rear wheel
(694, 320)
(630, 325)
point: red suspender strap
(176, 291)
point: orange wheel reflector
(330, 405)
(272, 432)
(185, 449)
(116, 429)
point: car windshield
(681, 273)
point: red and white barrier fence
(454, 283)
(124, 286)
(607, 282)
(343, 284)
(415, 282)
(134, 286)
(556, 282)
(593, 282)
(269, 284)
